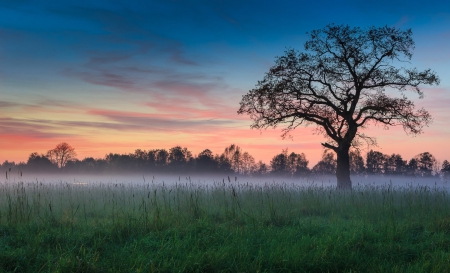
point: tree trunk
(343, 167)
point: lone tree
(342, 83)
(61, 154)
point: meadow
(224, 225)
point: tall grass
(225, 226)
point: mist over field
(193, 179)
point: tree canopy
(61, 154)
(341, 83)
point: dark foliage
(445, 169)
(61, 154)
(233, 160)
(339, 84)
(292, 165)
(326, 166)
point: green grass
(225, 227)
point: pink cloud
(202, 106)
(436, 100)
(157, 122)
(7, 104)
(202, 120)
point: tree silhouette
(297, 164)
(205, 162)
(224, 163)
(162, 158)
(261, 169)
(356, 162)
(248, 166)
(395, 165)
(8, 165)
(233, 154)
(179, 158)
(279, 163)
(39, 162)
(292, 164)
(61, 154)
(90, 165)
(412, 167)
(425, 164)
(141, 158)
(119, 162)
(339, 85)
(445, 169)
(327, 165)
(151, 158)
(375, 162)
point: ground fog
(211, 180)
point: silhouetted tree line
(233, 160)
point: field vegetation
(224, 226)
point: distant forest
(233, 160)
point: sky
(115, 76)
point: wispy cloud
(436, 101)
(28, 127)
(157, 122)
(7, 104)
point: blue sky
(113, 76)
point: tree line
(233, 160)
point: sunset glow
(119, 77)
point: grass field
(221, 227)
